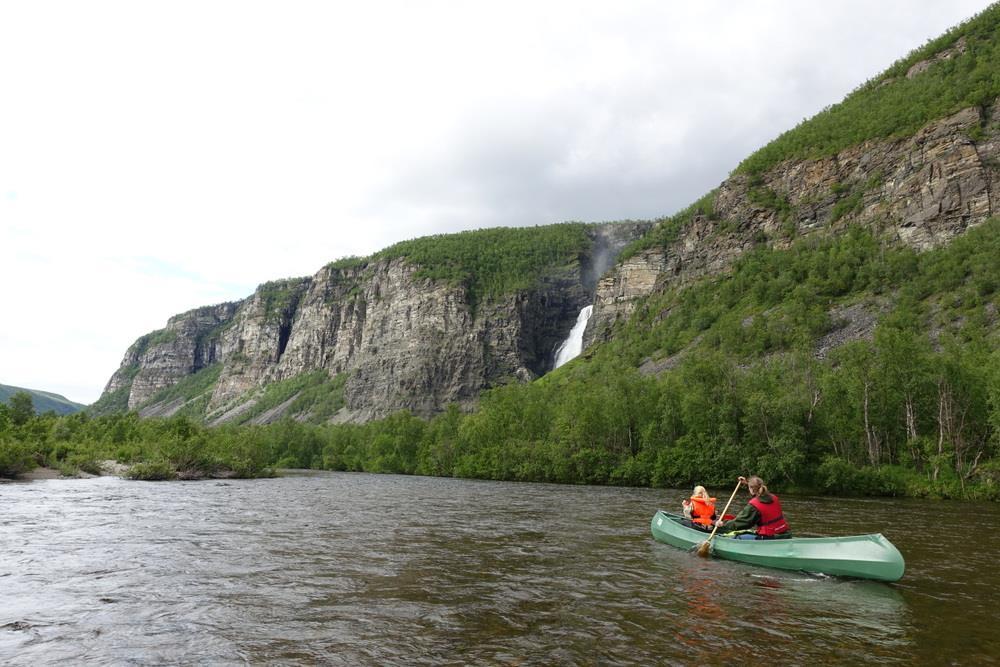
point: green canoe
(862, 556)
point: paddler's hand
(741, 479)
(718, 523)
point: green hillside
(43, 401)
(894, 105)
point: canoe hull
(861, 556)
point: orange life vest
(772, 521)
(702, 510)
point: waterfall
(573, 345)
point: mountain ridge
(43, 401)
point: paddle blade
(703, 549)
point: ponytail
(756, 482)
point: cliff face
(191, 341)
(923, 191)
(401, 341)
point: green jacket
(747, 519)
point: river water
(355, 569)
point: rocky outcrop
(191, 341)
(402, 341)
(254, 344)
(922, 66)
(851, 322)
(927, 189)
(922, 190)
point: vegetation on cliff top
(278, 298)
(488, 262)
(962, 70)
(496, 261)
(893, 105)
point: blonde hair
(700, 492)
(755, 482)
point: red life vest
(702, 510)
(772, 521)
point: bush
(15, 458)
(835, 475)
(151, 471)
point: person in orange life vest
(762, 514)
(700, 508)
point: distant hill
(43, 400)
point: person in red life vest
(762, 514)
(700, 508)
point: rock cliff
(922, 191)
(399, 340)
(190, 342)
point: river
(356, 569)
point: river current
(357, 569)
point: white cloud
(154, 158)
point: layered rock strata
(191, 341)
(922, 190)
(404, 342)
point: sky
(156, 157)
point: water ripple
(349, 569)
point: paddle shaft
(716, 527)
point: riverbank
(106, 468)
(110, 468)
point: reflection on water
(763, 614)
(362, 569)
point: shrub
(151, 471)
(15, 458)
(835, 475)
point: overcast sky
(158, 156)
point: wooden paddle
(706, 545)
